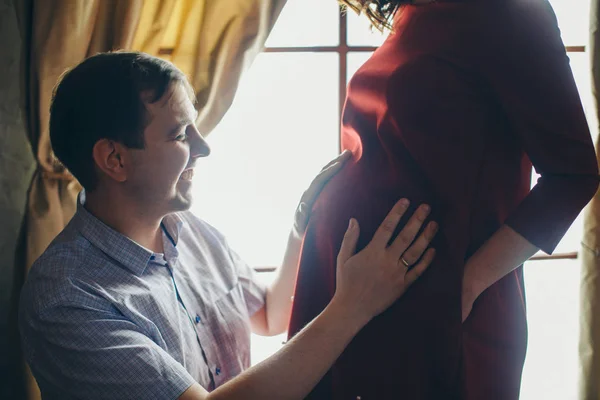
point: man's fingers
(348, 247)
(342, 158)
(417, 270)
(410, 230)
(328, 172)
(386, 229)
(419, 246)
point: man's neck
(128, 219)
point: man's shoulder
(53, 277)
(65, 252)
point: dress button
(198, 319)
(218, 371)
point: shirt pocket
(231, 331)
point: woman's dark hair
(379, 12)
(101, 98)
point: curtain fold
(589, 340)
(212, 41)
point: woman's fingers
(344, 155)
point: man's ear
(110, 159)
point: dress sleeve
(521, 55)
(93, 353)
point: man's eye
(182, 137)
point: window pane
(580, 65)
(552, 365)
(281, 130)
(360, 32)
(307, 23)
(573, 20)
(355, 60)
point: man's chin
(182, 202)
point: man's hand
(311, 194)
(367, 283)
(370, 281)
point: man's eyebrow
(181, 123)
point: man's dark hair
(101, 98)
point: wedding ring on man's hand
(406, 264)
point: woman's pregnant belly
(428, 316)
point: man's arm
(274, 317)
(367, 283)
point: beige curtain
(589, 342)
(212, 41)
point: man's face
(160, 178)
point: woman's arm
(367, 283)
(491, 262)
(519, 53)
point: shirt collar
(172, 225)
(116, 245)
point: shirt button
(218, 371)
(152, 257)
(198, 319)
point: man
(137, 298)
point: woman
(451, 111)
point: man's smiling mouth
(188, 174)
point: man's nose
(199, 147)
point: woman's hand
(467, 304)
(370, 281)
(498, 256)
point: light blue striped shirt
(101, 317)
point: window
(288, 105)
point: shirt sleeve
(92, 353)
(255, 291)
(522, 57)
